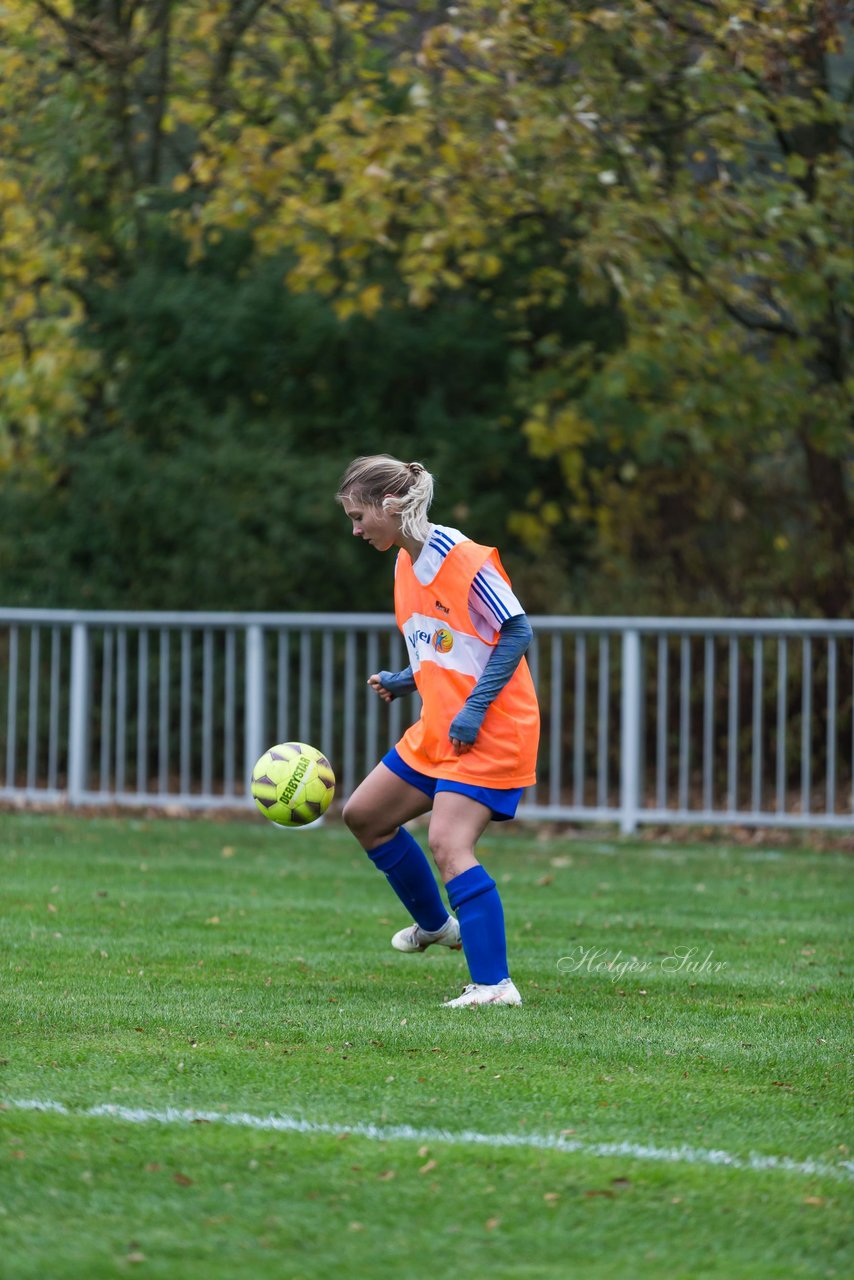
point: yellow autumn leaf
(23, 306)
(371, 300)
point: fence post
(630, 722)
(78, 714)
(254, 724)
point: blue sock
(475, 900)
(405, 866)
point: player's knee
(369, 827)
(445, 848)
(359, 818)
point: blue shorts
(501, 801)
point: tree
(205, 477)
(104, 109)
(157, 94)
(690, 158)
(686, 166)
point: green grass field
(217, 984)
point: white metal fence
(654, 720)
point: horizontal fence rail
(645, 720)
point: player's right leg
(375, 813)
(381, 804)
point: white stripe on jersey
(491, 601)
(439, 542)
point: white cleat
(417, 939)
(503, 992)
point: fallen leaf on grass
(813, 1200)
(182, 1180)
(428, 1167)
(492, 1223)
(136, 1256)
(387, 1175)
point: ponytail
(404, 489)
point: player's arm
(513, 640)
(393, 684)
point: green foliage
(206, 476)
(627, 230)
(693, 159)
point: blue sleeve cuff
(398, 683)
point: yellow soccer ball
(293, 784)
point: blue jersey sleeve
(513, 641)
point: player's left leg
(375, 813)
(456, 825)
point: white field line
(464, 1138)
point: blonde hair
(403, 488)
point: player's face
(373, 525)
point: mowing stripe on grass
(466, 1137)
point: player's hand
(464, 729)
(377, 686)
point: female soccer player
(474, 748)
